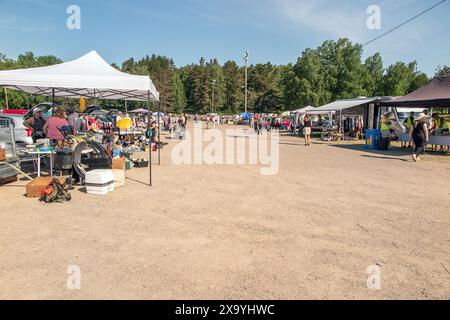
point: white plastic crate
(99, 182)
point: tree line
(334, 70)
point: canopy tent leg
(159, 133)
(149, 117)
(6, 99)
(53, 97)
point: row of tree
(335, 70)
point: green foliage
(334, 70)
(20, 100)
(398, 78)
(264, 85)
(374, 71)
(177, 99)
(234, 88)
(443, 71)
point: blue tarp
(246, 116)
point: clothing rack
(342, 120)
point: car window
(11, 120)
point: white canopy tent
(303, 110)
(340, 105)
(89, 76)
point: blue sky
(272, 30)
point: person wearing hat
(36, 125)
(419, 134)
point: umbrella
(124, 124)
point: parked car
(23, 135)
(7, 173)
(46, 108)
(21, 112)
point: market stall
(352, 117)
(90, 77)
(434, 96)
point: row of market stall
(352, 118)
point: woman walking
(307, 130)
(419, 134)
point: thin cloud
(21, 24)
(324, 18)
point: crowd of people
(63, 120)
(270, 122)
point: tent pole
(149, 139)
(126, 107)
(159, 133)
(6, 98)
(53, 97)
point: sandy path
(226, 232)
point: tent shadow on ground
(394, 153)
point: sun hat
(421, 116)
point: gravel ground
(227, 232)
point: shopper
(307, 125)
(53, 126)
(419, 134)
(36, 124)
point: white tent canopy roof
(89, 76)
(340, 105)
(303, 110)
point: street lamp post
(246, 55)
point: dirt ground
(227, 232)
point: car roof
(11, 115)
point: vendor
(438, 126)
(438, 123)
(409, 121)
(385, 125)
(52, 126)
(36, 125)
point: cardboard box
(2, 154)
(118, 163)
(35, 187)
